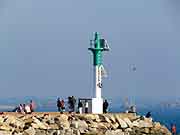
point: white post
(97, 102)
(98, 82)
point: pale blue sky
(43, 47)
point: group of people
(71, 105)
(25, 108)
(60, 105)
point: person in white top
(27, 109)
(86, 106)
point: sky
(44, 47)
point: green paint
(97, 50)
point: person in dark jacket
(80, 105)
(59, 104)
(148, 115)
(105, 106)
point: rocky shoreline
(79, 124)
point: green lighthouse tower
(97, 47)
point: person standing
(73, 103)
(86, 106)
(105, 106)
(62, 106)
(59, 104)
(70, 104)
(80, 105)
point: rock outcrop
(79, 124)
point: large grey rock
(41, 132)
(38, 124)
(93, 124)
(114, 132)
(135, 124)
(28, 120)
(157, 125)
(144, 124)
(114, 125)
(1, 120)
(111, 117)
(62, 121)
(5, 127)
(104, 118)
(76, 132)
(18, 123)
(89, 117)
(79, 124)
(62, 117)
(5, 133)
(53, 127)
(102, 126)
(121, 122)
(30, 131)
(128, 122)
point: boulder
(62, 117)
(135, 124)
(30, 131)
(157, 125)
(114, 132)
(103, 118)
(146, 130)
(144, 124)
(93, 124)
(89, 117)
(102, 126)
(111, 117)
(28, 120)
(53, 127)
(121, 122)
(1, 120)
(38, 124)
(128, 130)
(18, 123)
(80, 124)
(128, 122)
(9, 119)
(114, 125)
(5, 133)
(76, 132)
(5, 127)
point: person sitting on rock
(21, 110)
(105, 106)
(132, 109)
(32, 106)
(148, 115)
(27, 109)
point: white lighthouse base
(97, 105)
